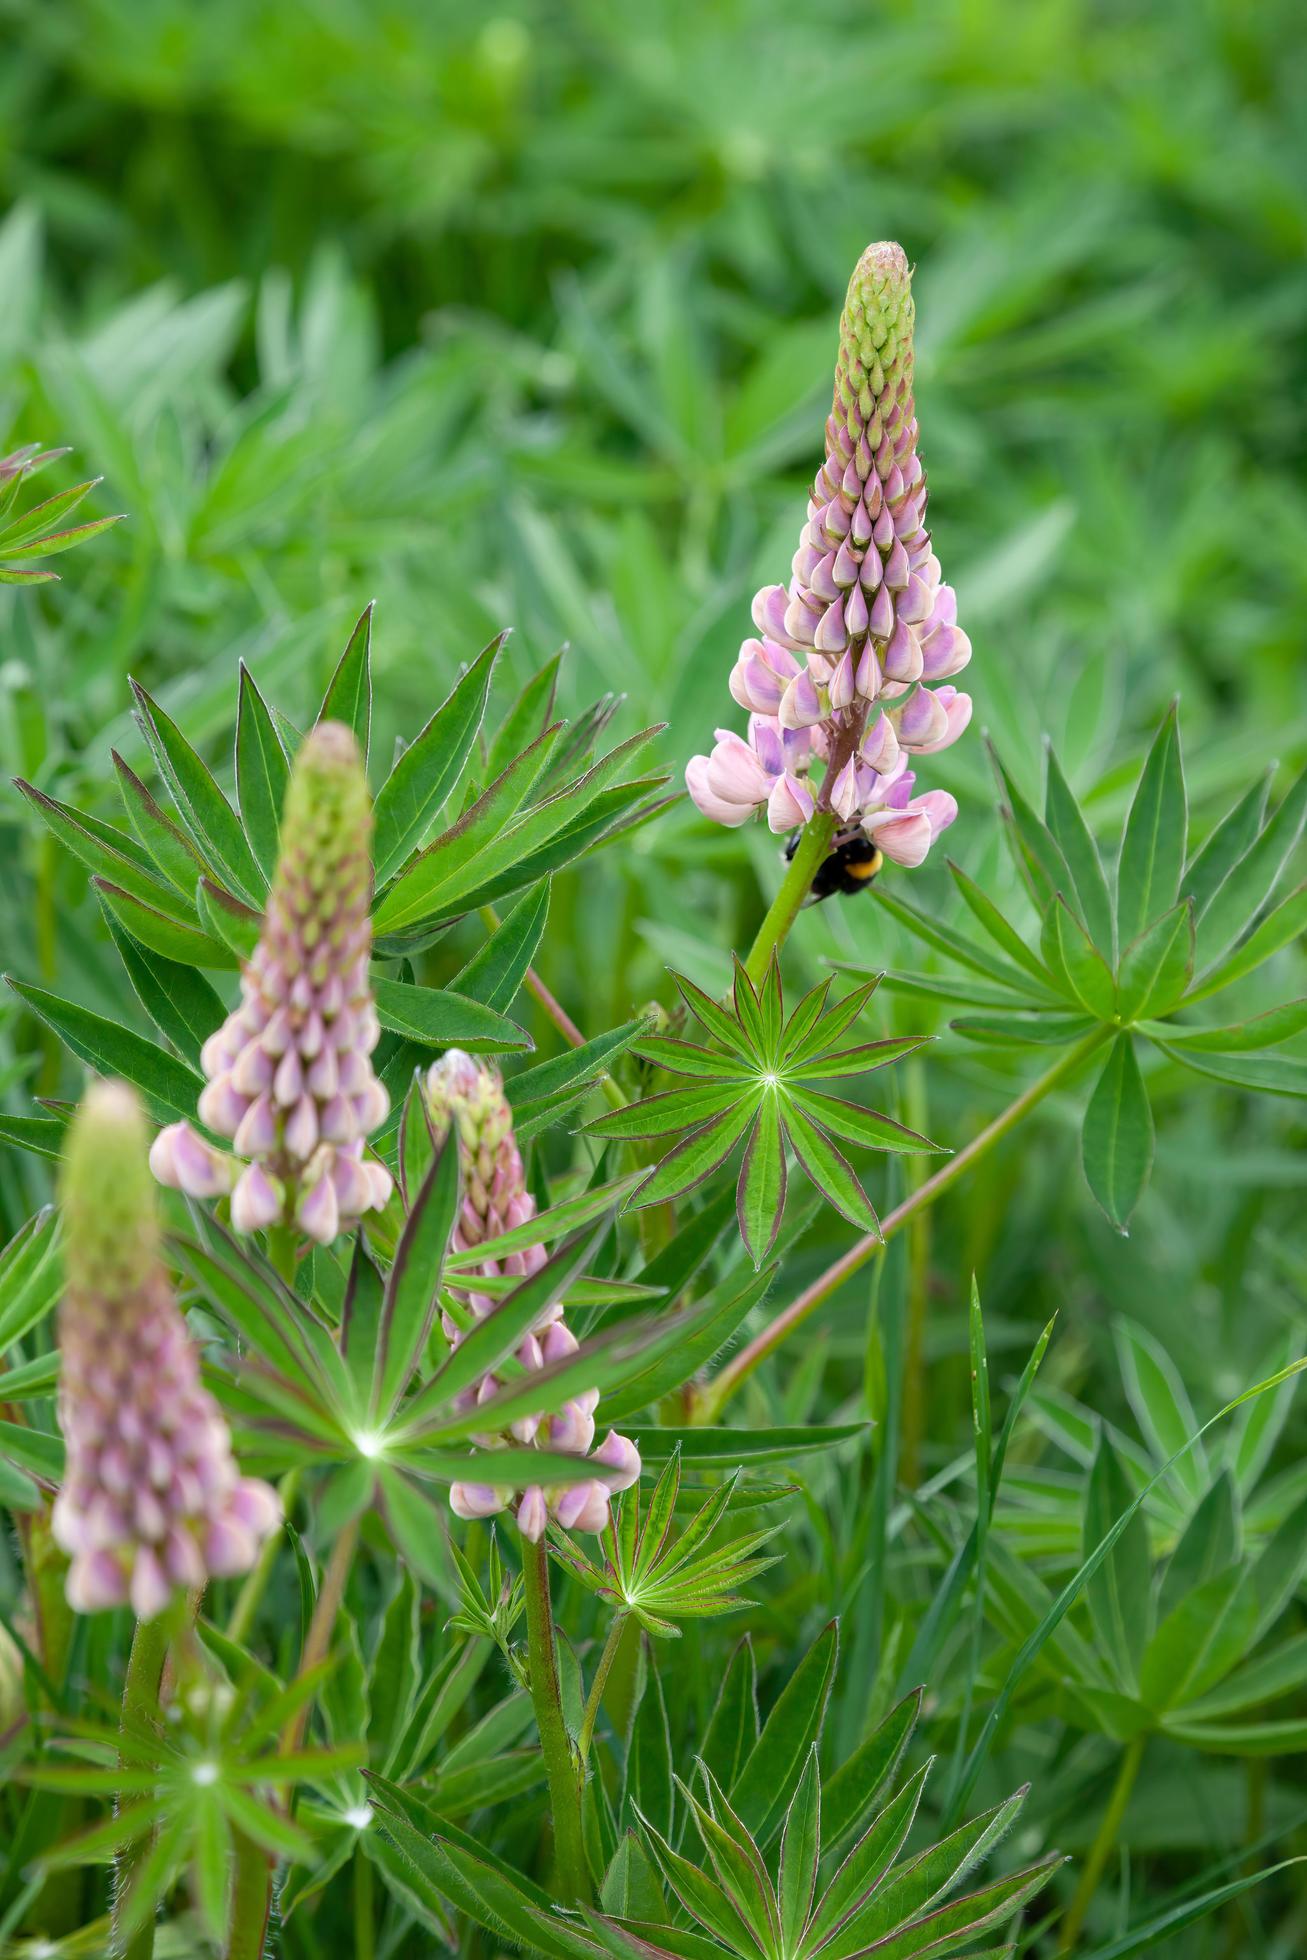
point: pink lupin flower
(152, 1499)
(289, 1073)
(467, 1096)
(848, 653)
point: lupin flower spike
(152, 1499)
(467, 1096)
(843, 671)
(290, 1079)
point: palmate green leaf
(39, 518)
(530, 713)
(1075, 840)
(737, 1865)
(169, 1086)
(202, 806)
(440, 1018)
(40, 1136)
(1156, 967)
(496, 972)
(422, 779)
(262, 772)
(349, 692)
(1117, 1138)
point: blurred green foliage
(525, 318)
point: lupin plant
(841, 687)
(404, 1273)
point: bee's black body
(850, 868)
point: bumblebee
(849, 869)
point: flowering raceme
(290, 1079)
(843, 672)
(152, 1499)
(467, 1096)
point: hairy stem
(719, 1392)
(1101, 1849)
(600, 1682)
(140, 1707)
(571, 1877)
(251, 1900)
(813, 849)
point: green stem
(251, 1900)
(600, 1682)
(813, 850)
(572, 1878)
(1101, 1848)
(140, 1707)
(283, 1251)
(364, 1924)
(718, 1393)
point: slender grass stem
(813, 849)
(572, 1878)
(600, 1682)
(140, 1706)
(1101, 1849)
(715, 1397)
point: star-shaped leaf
(756, 1085)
